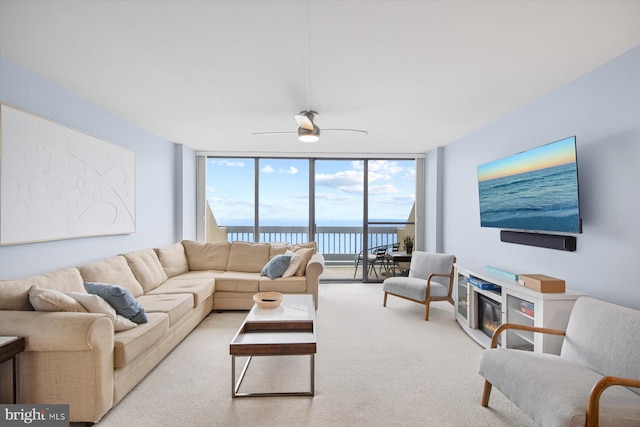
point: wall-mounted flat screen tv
(535, 190)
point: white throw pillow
(293, 264)
(51, 300)
(95, 304)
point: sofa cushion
(276, 266)
(130, 344)
(200, 284)
(237, 281)
(113, 270)
(52, 300)
(276, 249)
(176, 306)
(207, 256)
(173, 259)
(120, 299)
(95, 304)
(248, 257)
(14, 294)
(285, 285)
(146, 266)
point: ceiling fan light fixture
(306, 135)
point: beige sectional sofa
(76, 358)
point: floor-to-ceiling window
(353, 208)
(283, 200)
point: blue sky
(546, 156)
(284, 190)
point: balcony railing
(337, 244)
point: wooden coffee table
(287, 330)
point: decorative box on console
(542, 283)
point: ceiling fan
(308, 131)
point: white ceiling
(415, 74)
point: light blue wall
(602, 108)
(159, 172)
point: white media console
(480, 311)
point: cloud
(226, 162)
(291, 171)
(333, 197)
(349, 178)
(267, 169)
(382, 189)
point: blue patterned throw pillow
(276, 267)
(120, 299)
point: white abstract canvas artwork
(60, 183)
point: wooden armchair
(600, 350)
(430, 279)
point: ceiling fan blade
(304, 121)
(274, 133)
(346, 130)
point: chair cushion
(413, 288)
(425, 263)
(552, 390)
(604, 337)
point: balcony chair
(430, 279)
(377, 256)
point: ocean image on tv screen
(534, 190)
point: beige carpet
(375, 366)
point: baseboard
(551, 241)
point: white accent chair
(601, 349)
(430, 279)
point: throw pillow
(306, 254)
(120, 299)
(293, 264)
(51, 300)
(276, 266)
(95, 304)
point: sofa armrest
(68, 359)
(593, 405)
(315, 267)
(505, 326)
(58, 331)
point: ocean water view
(544, 199)
(337, 239)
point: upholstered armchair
(430, 279)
